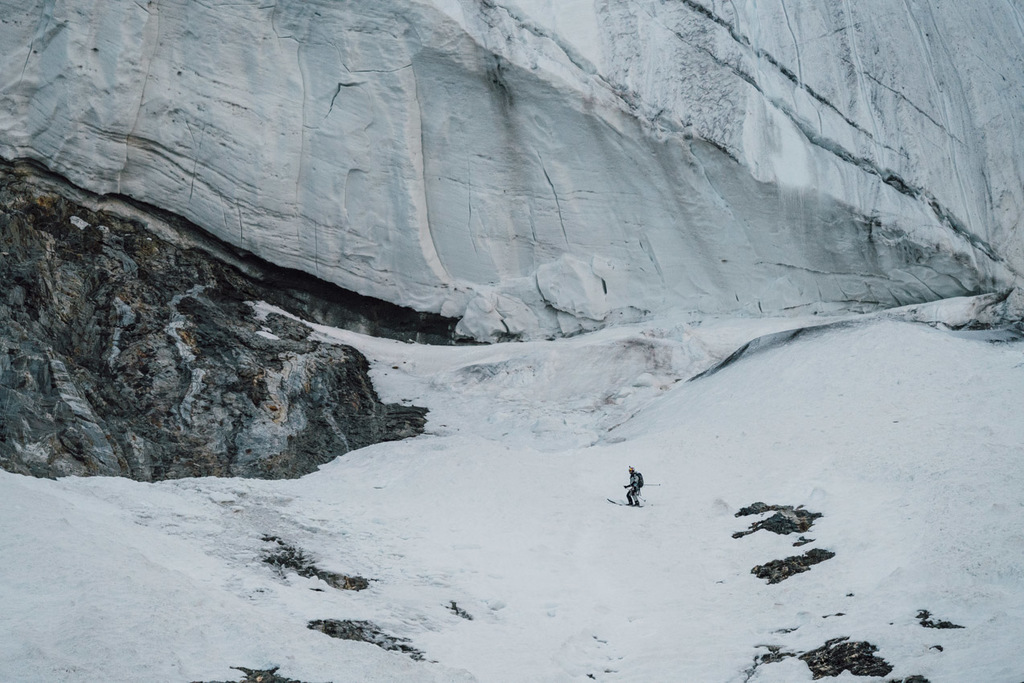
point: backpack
(639, 480)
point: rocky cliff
(124, 354)
(539, 168)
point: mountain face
(122, 354)
(540, 168)
(210, 210)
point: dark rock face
(122, 354)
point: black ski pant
(633, 496)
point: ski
(625, 505)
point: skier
(636, 482)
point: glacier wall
(538, 167)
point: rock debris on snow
(925, 618)
(786, 520)
(258, 676)
(459, 612)
(366, 632)
(287, 557)
(841, 654)
(780, 570)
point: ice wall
(541, 167)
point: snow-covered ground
(907, 438)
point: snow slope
(906, 437)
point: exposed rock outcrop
(123, 354)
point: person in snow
(636, 482)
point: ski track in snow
(907, 439)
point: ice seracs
(494, 161)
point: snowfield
(906, 437)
